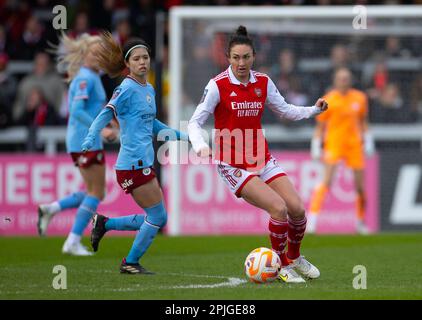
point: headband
(134, 47)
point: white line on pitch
(233, 282)
(193, 275)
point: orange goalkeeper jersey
(343, 119)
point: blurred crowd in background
(38, 97)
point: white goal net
(299, 47)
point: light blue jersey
(133, 104)
(134, 107)
(86, 99)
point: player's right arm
(206, 107)
(368, 140)
(120, 95)
(105, 116)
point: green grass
(393, 263)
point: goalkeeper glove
(316, 148)
(369, 144)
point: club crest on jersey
(204, 95)
(237, 173)
(82, 85)
(116, 93)
(258, 92)
(146, 171)
(149, 99)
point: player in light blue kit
(86, 99)
(133, 104)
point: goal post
(304, 30)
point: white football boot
(76, 249)
(305, 268)
(289, 275)
(44, 218)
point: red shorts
(131, 179)
(86, 159)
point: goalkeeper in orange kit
(342, 134)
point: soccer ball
(262, 265)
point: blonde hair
(71, 53)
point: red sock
(278, 235)
(284, 260)
(296, 232)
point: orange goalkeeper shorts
(352, 156)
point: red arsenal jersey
(239, 138)
(237, 108)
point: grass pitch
(211, 268)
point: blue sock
(126, 223)
(85, 212)
(156, 218)
(72, 201)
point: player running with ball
(237, 98)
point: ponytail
(112, 57)
(240, 37)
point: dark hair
(240, 37)
(134, 42)
(111, 58)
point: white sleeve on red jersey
(210, 99)
(279, 106)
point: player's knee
(297, 210)
(278, 210)
(96, 192)
(159, 219)
(157, 215)
(360, 191)
(79, 196)
(101, 195)
(163, 220)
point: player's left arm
(316, 142)
(275, 101)
(165, 133)
(368, 139)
